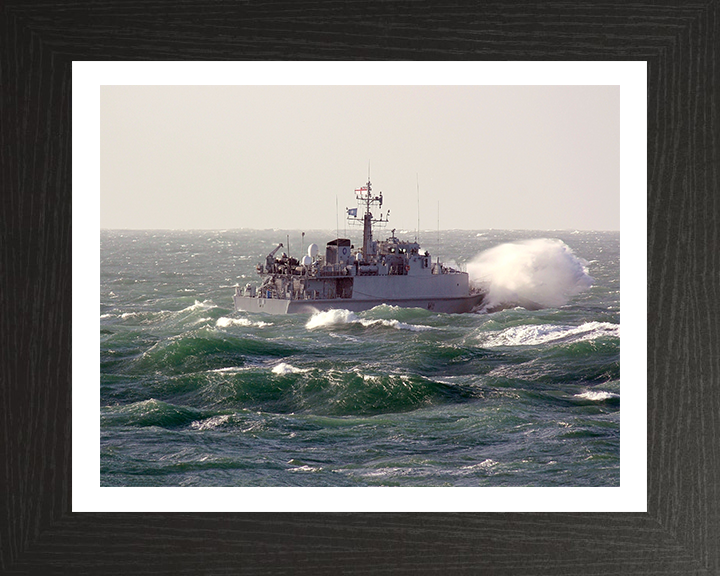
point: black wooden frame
(680, 533)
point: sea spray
(539, 273)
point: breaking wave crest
(534, 274)
(596, 396)
(543, 333)
(330, 318)
(204, 305)
(225, 322)
(284, 368)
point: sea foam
(204, 305)
(210, 423)
(225, 322)
(533, 335)
(539, 273)
(284, 368)
(339, 317)
(596, 396)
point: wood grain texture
(681, 532)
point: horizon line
(407, 231)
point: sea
(524, 391)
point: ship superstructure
(391, 271)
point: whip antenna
(438, 257)
(417, 182)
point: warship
(391, 271)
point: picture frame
(504, 492)
(40, 534)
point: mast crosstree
(366, 201)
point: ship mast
(365, 200)
(365, 197)
(367, 221)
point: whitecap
(204, 305)
(385, 472)
(284, 368)
(340, 316)
(304, 468)
(330, 318)
(230, 369)
(532, 335)
(599, 396)
(397, 325)
(486, 464)
(225, 322)
(210, 423)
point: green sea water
(195, 394)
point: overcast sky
(222, 157)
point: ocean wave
(485, 466)
(339, 317)
(135, 318)
(534, 335)
(225, 322)
(202, 351)
(386, 472)
(167, 317)
(204, 305)
(210, 423)
(286, 389)
(284, 368)
(149, 412)
(231, 369)
(599, 396)
(305, 468)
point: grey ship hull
(454, 305)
